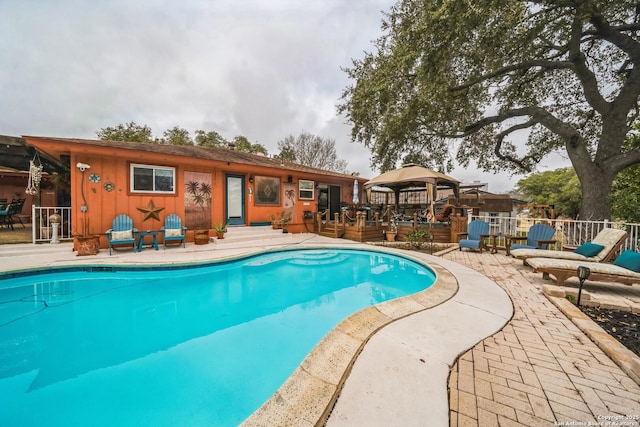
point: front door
(329, 199)
(334, 199)
(235, 199)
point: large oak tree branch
(522, 66)
(585, 75)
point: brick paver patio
(540, 370)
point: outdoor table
(143, 234)
(494, 243)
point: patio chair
(443, 216)
(602, 248)
(173, 230)
(9, 213)
(625, 269)
(476, 232)
(122, 232)
(538, 237)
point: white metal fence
(42, 229)
(568, 232)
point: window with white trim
(306, 189)
(152, 179)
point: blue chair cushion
(589, 249)
(629, 259)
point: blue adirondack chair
(173, 230)
(474, 231)
(122, 232)
(538, 237)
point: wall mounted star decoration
(151, 211)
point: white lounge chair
(610, 238)
(562, 269)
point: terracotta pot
(88, 245)
(391, 236)
(220, 234)
(201, 237)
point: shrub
(418, 237)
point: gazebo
(412, 175)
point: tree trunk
(596, 193)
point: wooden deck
(363, 230)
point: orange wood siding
(112, 165)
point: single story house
(204, 186)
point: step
(246, 234)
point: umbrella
(412, 175)
(356, 199)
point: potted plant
(275, 221)
(391, 231)
(220, 230)
(285, 218)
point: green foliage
(418, 237)
(502, 83)
(210, 139)
(177, 136)
(559, 187)
(129, 132)
(243, 144)
(311, 150)
(625, 195)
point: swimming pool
(202, 345)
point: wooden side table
(495, 240)
(492, 242)
(143, 234)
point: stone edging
(622, 356)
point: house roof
(16, 155)
(208, 153)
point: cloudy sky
(264, 69)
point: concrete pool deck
(534, 368)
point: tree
(625, 196)
(129, 132)
(210, 139)
(243, 144)
(177, 136)
(475, 76)
(559, 187)
(311, 150)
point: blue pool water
(196, 346)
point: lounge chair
(173, 230)
(609, 238)
(538, 237)
(476, 232)
(122, 232)
(562, 269)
